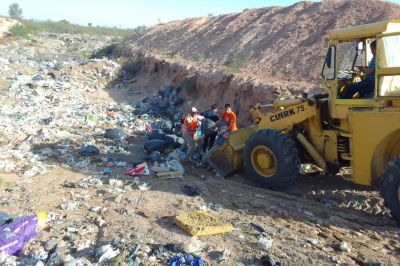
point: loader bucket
(228, 157)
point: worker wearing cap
(189, 128)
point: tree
(15, 11)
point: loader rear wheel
(271, 159)
(390, 187)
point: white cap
(194, 110)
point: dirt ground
(320, 220)
(5, 25)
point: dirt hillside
(5, 25)
(253, 56)
(280, 42)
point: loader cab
(348, 50)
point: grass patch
(188, 84)
(4, 183)
(237, 63)
(170, 54)
(200, 57)
(72, 49)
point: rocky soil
(55, 101)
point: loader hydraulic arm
(286, 114)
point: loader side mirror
(328, 71)
(329, 57)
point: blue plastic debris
(107, 171)
(185, 260)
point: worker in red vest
(190, 124)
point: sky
(131, 13)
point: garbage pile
(48, 119)
(43, 102)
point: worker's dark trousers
(365, 88)
(208, 141)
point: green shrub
(22, 31)
(64, 26)
(133, 66)
(106, 51)
(237, 63)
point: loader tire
(271, 159)
(390, 187)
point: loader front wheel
(390, 187)
(271, 159)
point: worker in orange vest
(229, 117)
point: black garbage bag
(171, 113)
(191, 191)
(155, 156)
(156, 134)
(89, 150)
(178, 143)
(177, 101)
(170, 139)
(155, 145)
(174, 141)
(168, 91)
(166, 126)
(115, 133)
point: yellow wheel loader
(329, 130)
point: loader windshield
(350, 55)
(388, 66)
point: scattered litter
(177, 154)
(193, 245)
(265, 242)
(144, 186)
(116, 183)
(219, 256)
(258, 227)
(140, 169)
(345, 247)
(215, 207)
(311, 240)
(69, 206)
(89, 150)
(170, 175)
(155, 156)
(106, 252)
(107, 171)
(269, 261)
(115, 133)
(191, 191)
